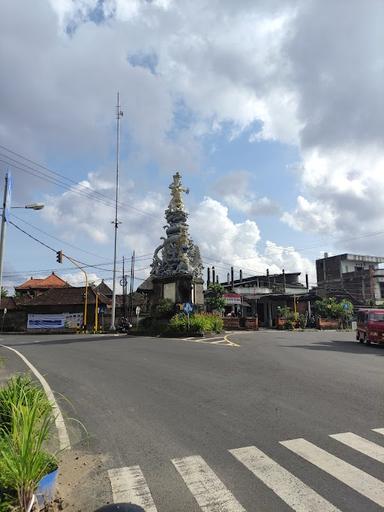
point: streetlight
(4, 218)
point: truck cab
(370, 326)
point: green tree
(214, 298)
(330, 308)
(4, 292)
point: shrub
(330, 308)
(303, 320)
(285, 312)
(217, 323)
(198, 322)
(179, 322)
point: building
(59, 308)
(34, 286)
(262, 295)
(354, 277)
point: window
(376, 317)
(381, 290)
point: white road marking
(222, 341)
(290, 489)
(361, 482)
(373, 450)
(207, 489)
(379, 430)
(129, 486)
(64, 442)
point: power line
(85, 265)
(54, 237)
(57, 180)
(31, 236)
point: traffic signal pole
(59, 258)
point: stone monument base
(179, 289)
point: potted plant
(285, 318)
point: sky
(272, 111)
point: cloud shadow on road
(352, 347)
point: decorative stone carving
(179, 255)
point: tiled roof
(147, 285)
(137, 300)
(104, 289)
(62, 297)
(52, 281)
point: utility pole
(123, 282)
(119, 114)
(131, 286)
(4, 215)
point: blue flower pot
(46, 489)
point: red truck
(370, 326)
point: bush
(179, 322)
(285, 312)
(303, 320)
(217, 323)
(198, 322)
(330, 308)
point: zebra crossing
(129, 484)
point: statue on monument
(176, 202)
(179, 255)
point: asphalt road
(170, 411)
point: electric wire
(58, 178)
(54, 237)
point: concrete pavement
(176, 418)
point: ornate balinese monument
(177, 268)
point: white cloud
(236, 190)
(294, 71)
(89, 217)
(345, 191)
(228, 243)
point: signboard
(138, 310)
(45, 321)
(55, 321)
(188, 308)
(232, 299)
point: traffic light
(59, 256)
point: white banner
(45, 321)
(55, 321)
